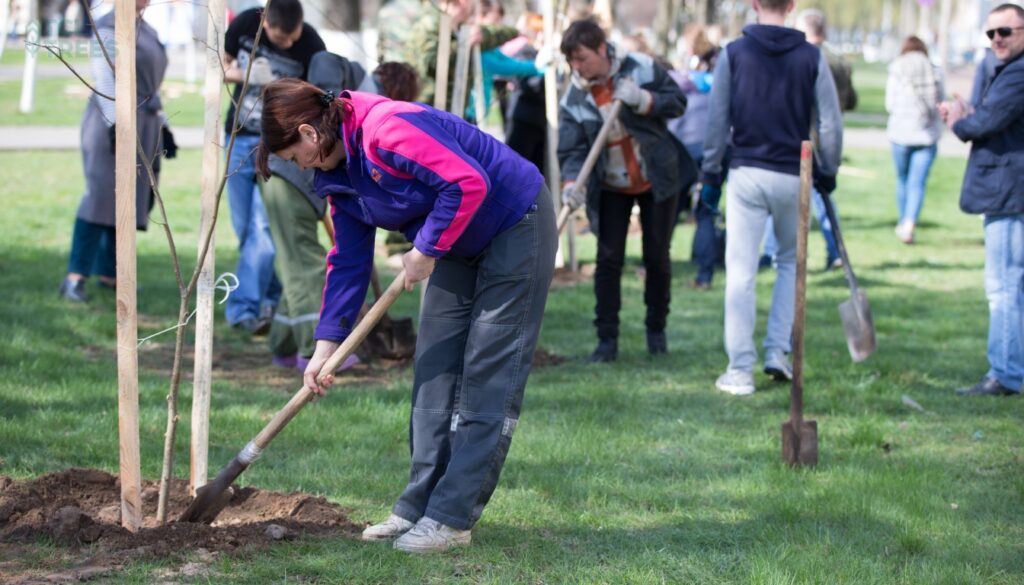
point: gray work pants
(478, 330)
(753, 194)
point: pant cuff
(406, 513)
(455, 522)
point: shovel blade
(800, 443)
(858, 326)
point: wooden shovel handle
(304, 395)
(796, 405)
(591, 160)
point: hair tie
(327, 97)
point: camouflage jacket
(396, 20)
(421, 51)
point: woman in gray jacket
(912, 94)
(92, 243)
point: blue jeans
(1004, 287)
(771, 246)
(258, 286)
(912, 166)
(93, 250)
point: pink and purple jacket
(449, 187)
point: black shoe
(607, 351)
(656, 342)
(73, 290)
(987, 387)
(764, 262)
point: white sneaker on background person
(776, 365)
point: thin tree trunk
(172, 414)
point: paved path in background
(66, 138)
(49, 67)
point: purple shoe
(285, 361)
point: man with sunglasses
(994, 186)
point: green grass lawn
(632, 472)
(869, 81)
(60, 102)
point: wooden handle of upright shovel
(591, 160)
(796, 406)
(304, 395)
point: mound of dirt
(78, 507)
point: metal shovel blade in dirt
(211, 498)
(799, 436)
(591, 160)
(855, 312)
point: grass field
(632, 472)
(869, 81)
(60, 102)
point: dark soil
(79, 511)
(546, 359)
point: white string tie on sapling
(226, 282)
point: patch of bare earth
(78, 510)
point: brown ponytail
(287, 104)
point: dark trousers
(656, 221)
(705, 243)
(93, 250)
(478, 329)
(529, 141)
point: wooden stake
(205, 292)
(551, 113)
(461, 72)
(444, 53)
(125, 169)
(479, 103)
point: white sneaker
(776, 365)
(393, 527)
(432, 536)
(736, 382)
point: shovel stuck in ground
(799, 436)
(855, 312)
(212, 497)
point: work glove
(112, 137)
(574, 195)
(170, 146)
(261, 72)
(629, 93)
(824, 185)
(710, 196)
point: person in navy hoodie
(482, 226)
(767, 84)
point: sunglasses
(1003, 31)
